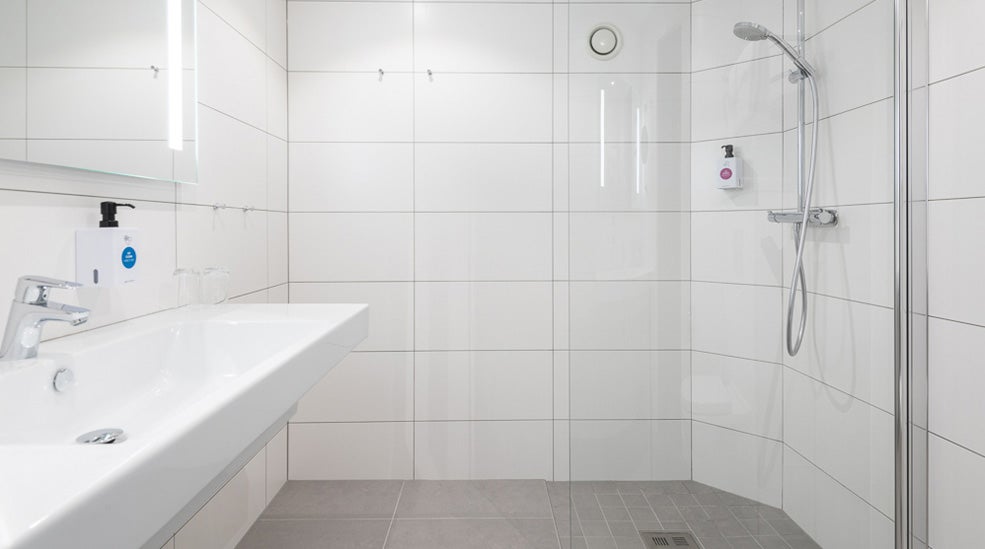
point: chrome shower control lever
(817, 216)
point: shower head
(751, 31)
(754, 33)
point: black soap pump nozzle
(728, 151)
(108, 209)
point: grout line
(393, 517)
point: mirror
(102, 85)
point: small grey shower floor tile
(595, 528)
(474, 499)
(745, 542)
(771, 542)
(335, 499)
(306, 534)
(785, 527)
(801, 542)
(615, 513)
(600, 543)
(486, 533)
(623, 529)
(635, 500)
(629, 542)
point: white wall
(736, 256)
(242, 140)
(838, 400)
(956, 323)
(446, 203)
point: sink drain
(101, 436)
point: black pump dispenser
(728, 151)
(108, 210)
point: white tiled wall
(736, 256)
(444, 200)
(956, 324)
(837, 405)
(242, 163)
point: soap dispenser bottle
(730, 171)
(107, 256)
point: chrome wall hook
(248, 209)
(381, 75)
(430, 75)
(218, 206)
(156, 70)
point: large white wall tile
(350, 107)
(849, 345)
(629, 246)
(327, 451)
(483, 385)
(469, 37)
(467, 177)
(482, 246)
(827, 511)
(852, 260)
(954, 264)
(747, 465)
(391, 320)
(955, 130)
(644, 177)
(13, 34)
(339, 177)
(628, 385)
(827, 426)
(654, 37)
(276, 45)
(364, 36)
(715, 44)
(956, 45)
(738, 100)
(13, 103)
(364, 387)
(852, 76)
(483, 450)
(957, 478)
(277, 243)
(629, 108)
(738, 394)
(232, 169)
(351, 247)
(737, 247)
(248, 17)
(482, 315)
(276, 174)
(514, 108)
(276, 100)
(630, 450)
(628, 315)
(232, 72)
(956, 407)
(737, 320)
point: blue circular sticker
(129, 257)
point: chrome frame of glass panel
(902, 326)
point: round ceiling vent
(604, 41)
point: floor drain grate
(663, 540)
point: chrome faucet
(29, 311)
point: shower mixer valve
(816, 216)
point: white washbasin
(191, 389)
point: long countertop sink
(190, 389)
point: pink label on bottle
(726, 173)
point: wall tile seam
(817, 381)
(836, 480)
(708, 423)
(243, 36)
(218, 110)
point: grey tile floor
(512, 514)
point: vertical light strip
(602, 138)
(176, 113)
(639, 151)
